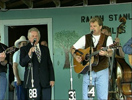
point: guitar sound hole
(84, 63)
(87, 57)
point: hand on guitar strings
(103, 53)
(107, 53)
(2, 59)
(78, 58)
(2, 56)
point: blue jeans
(100, 80)
(3, 85)
(21, 91)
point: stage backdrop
(68, 25)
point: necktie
(38, 54)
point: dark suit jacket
(43, 72)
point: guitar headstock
(10, 49)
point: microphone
(34, 41)
(91, 31)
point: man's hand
(2, 56)
(103, 53)
(52, 83)
(18, 82)
(117, 40)
(2, 59)
(107, 53)
(30, 51)
(78, 58)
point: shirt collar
(37, 45)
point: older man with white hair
(36, 57)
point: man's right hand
(2, 56)
(78, 58)
(32, 49)
(18, 82)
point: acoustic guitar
(130, 59)
(83, 66)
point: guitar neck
(10, 50)
(96, 52)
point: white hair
(33, 29)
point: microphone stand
(72, 92)
(91, 88)
(32, 90)
(30, 65)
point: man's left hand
(103, 53)
(52, 83)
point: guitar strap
(101, 41)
